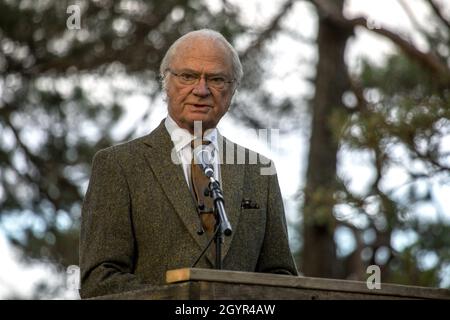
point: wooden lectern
(210, 284)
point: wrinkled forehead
(202, 51)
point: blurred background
(358, 89)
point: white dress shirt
(181, 139)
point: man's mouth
(200, 107)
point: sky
(290, 162)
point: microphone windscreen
(204, 155)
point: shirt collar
(182, 137)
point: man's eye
(188, 77)
(217, 80)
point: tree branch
(438, 12)
(429, 60)
(272, 28)
(412, 17)
(298, 36)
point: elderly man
(144, 212)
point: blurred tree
(401, 119)
(62, 93)
(61, 96)
(319, 250)
(399, 115)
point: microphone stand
(223, 226)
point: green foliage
(51, 118)
(402, 124)
(52, 123)
(399, 76)
(410, 265)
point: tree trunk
(319, 249)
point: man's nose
(201, 88)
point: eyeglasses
(213, 81)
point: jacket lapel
(171, 178)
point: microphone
(205, 158)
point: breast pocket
(252, 226)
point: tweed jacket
(139, 218)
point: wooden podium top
(317, 287)
(210, 284)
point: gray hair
(207, 33)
